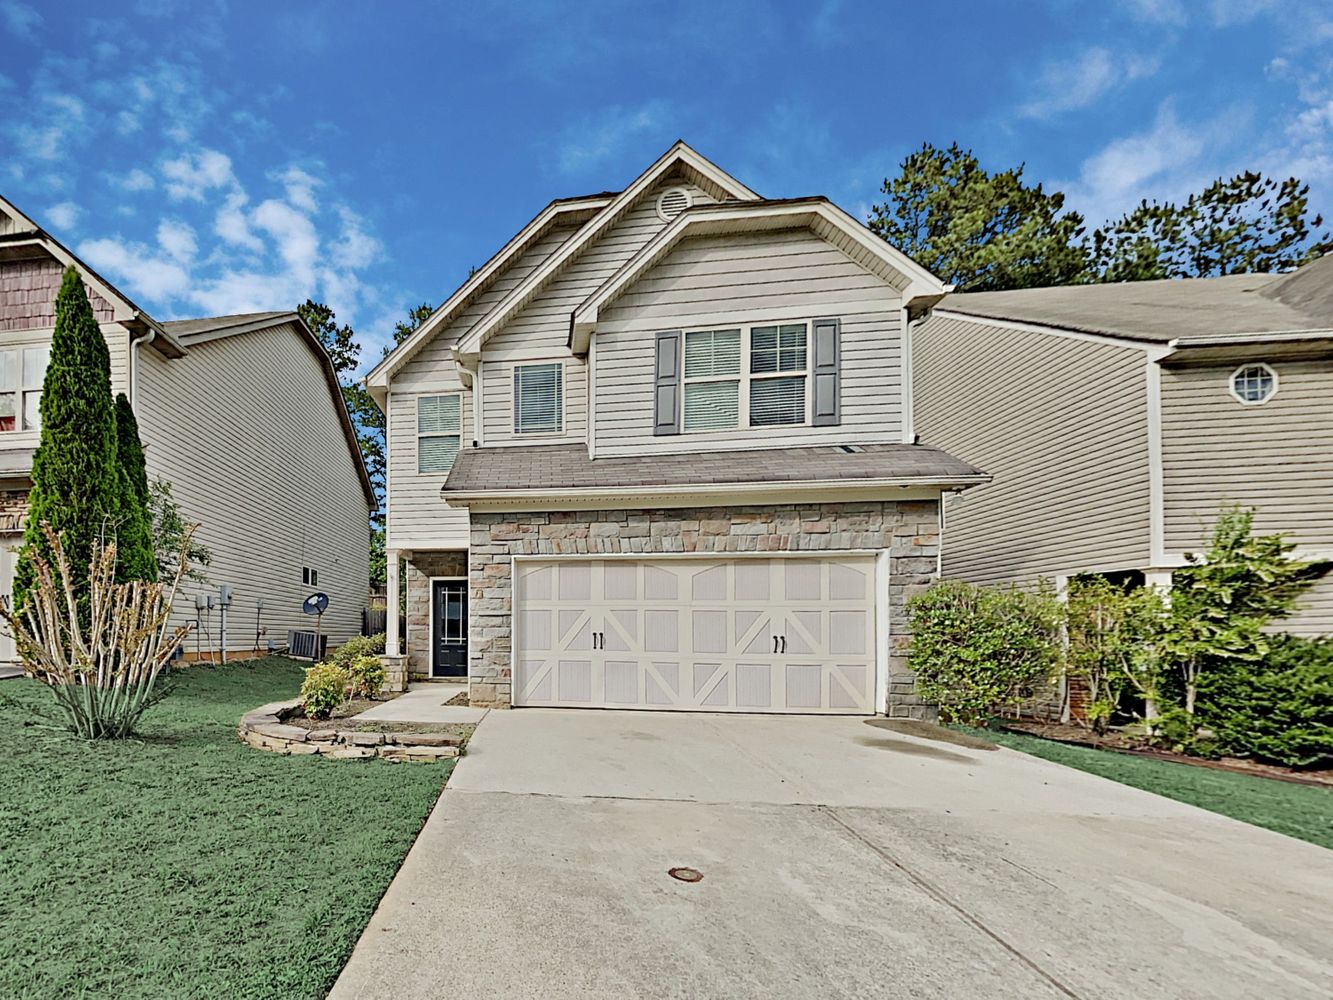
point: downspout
(135, 344)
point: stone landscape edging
(265, 728)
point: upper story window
(539, 398)
(1253, 384)
(439, 432)
(756, 376)
(22, 371)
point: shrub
(324, 689)
(100, 650)
(357, 647)
(979, 649)
(1278, 710)
(1112, 638)
(367, 676)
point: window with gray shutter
(712, 380)
(539, 405)
(826, 408)
(666, 384)
(439, 432)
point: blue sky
(214, 157)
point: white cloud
(300, 188)
(1166, 162)
(191, 175)
(63, 216)
(20, 19)
(1069, 84)
(293, 234)
(605, 134)
(1169, 12)
(177, 239)
(146, 273)
(136, 180)
(233, 225)
(354, 248)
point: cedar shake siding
(28, 295)
(1061, 426)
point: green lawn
(1302, 811)
(183, 863)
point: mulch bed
(1127, 744)
(340, 716)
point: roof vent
(672, 202)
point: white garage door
(694, 634)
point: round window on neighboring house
(673, 201)
(1253, 384)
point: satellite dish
(315, 604)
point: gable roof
(21, 237)
(196, 332)
(680, 156)
(560, 210)
(1232, 307)
(820, 215)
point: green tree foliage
(1221, 602)
(135, 557)
(415, 317)
(76, 479)
(1279, 709)
(1236, 225)
(1111, 635)
(977, 230)
(978, 650)
(168, 529)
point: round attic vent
(672, 202)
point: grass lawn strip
(1301, 811)
(185, 863)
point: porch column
(392, 640)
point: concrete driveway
(838, 860)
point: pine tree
(135, 558)
(76, 479)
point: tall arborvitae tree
(135, 557)
(76, 478)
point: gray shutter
(666, 384)
(827, 409)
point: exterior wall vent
(671, 202)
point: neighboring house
(1118, 419)
(242, 415)
(658, 453)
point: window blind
(775, 401)
(439, 432)
(538, 398)
(711, 406)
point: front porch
(430, 643)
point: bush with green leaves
(357, 647)
(1278, 710)
(979, 650)
(1112, 643)
(367, 676)
(325, 688)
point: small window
(777, 391)
(1254, 384)
(309, 577)
(21, 375)
(439, 432)
(712, 379)
(539, 398)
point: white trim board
(1155, 349)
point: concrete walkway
(838, 860)
(424, 703)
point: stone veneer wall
(421, 566)
(909, 530)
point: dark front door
(448, 601)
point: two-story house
(1118, 419)
(241, 415)
(658, 453)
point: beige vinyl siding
(1276, 457)
(246, 431)
(1061, 425)
(540, 331)
(417, 516)
(745, 280)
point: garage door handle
(775, 644)
(784, 643)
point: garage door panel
(782, 634)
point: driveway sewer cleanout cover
(686, 874)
